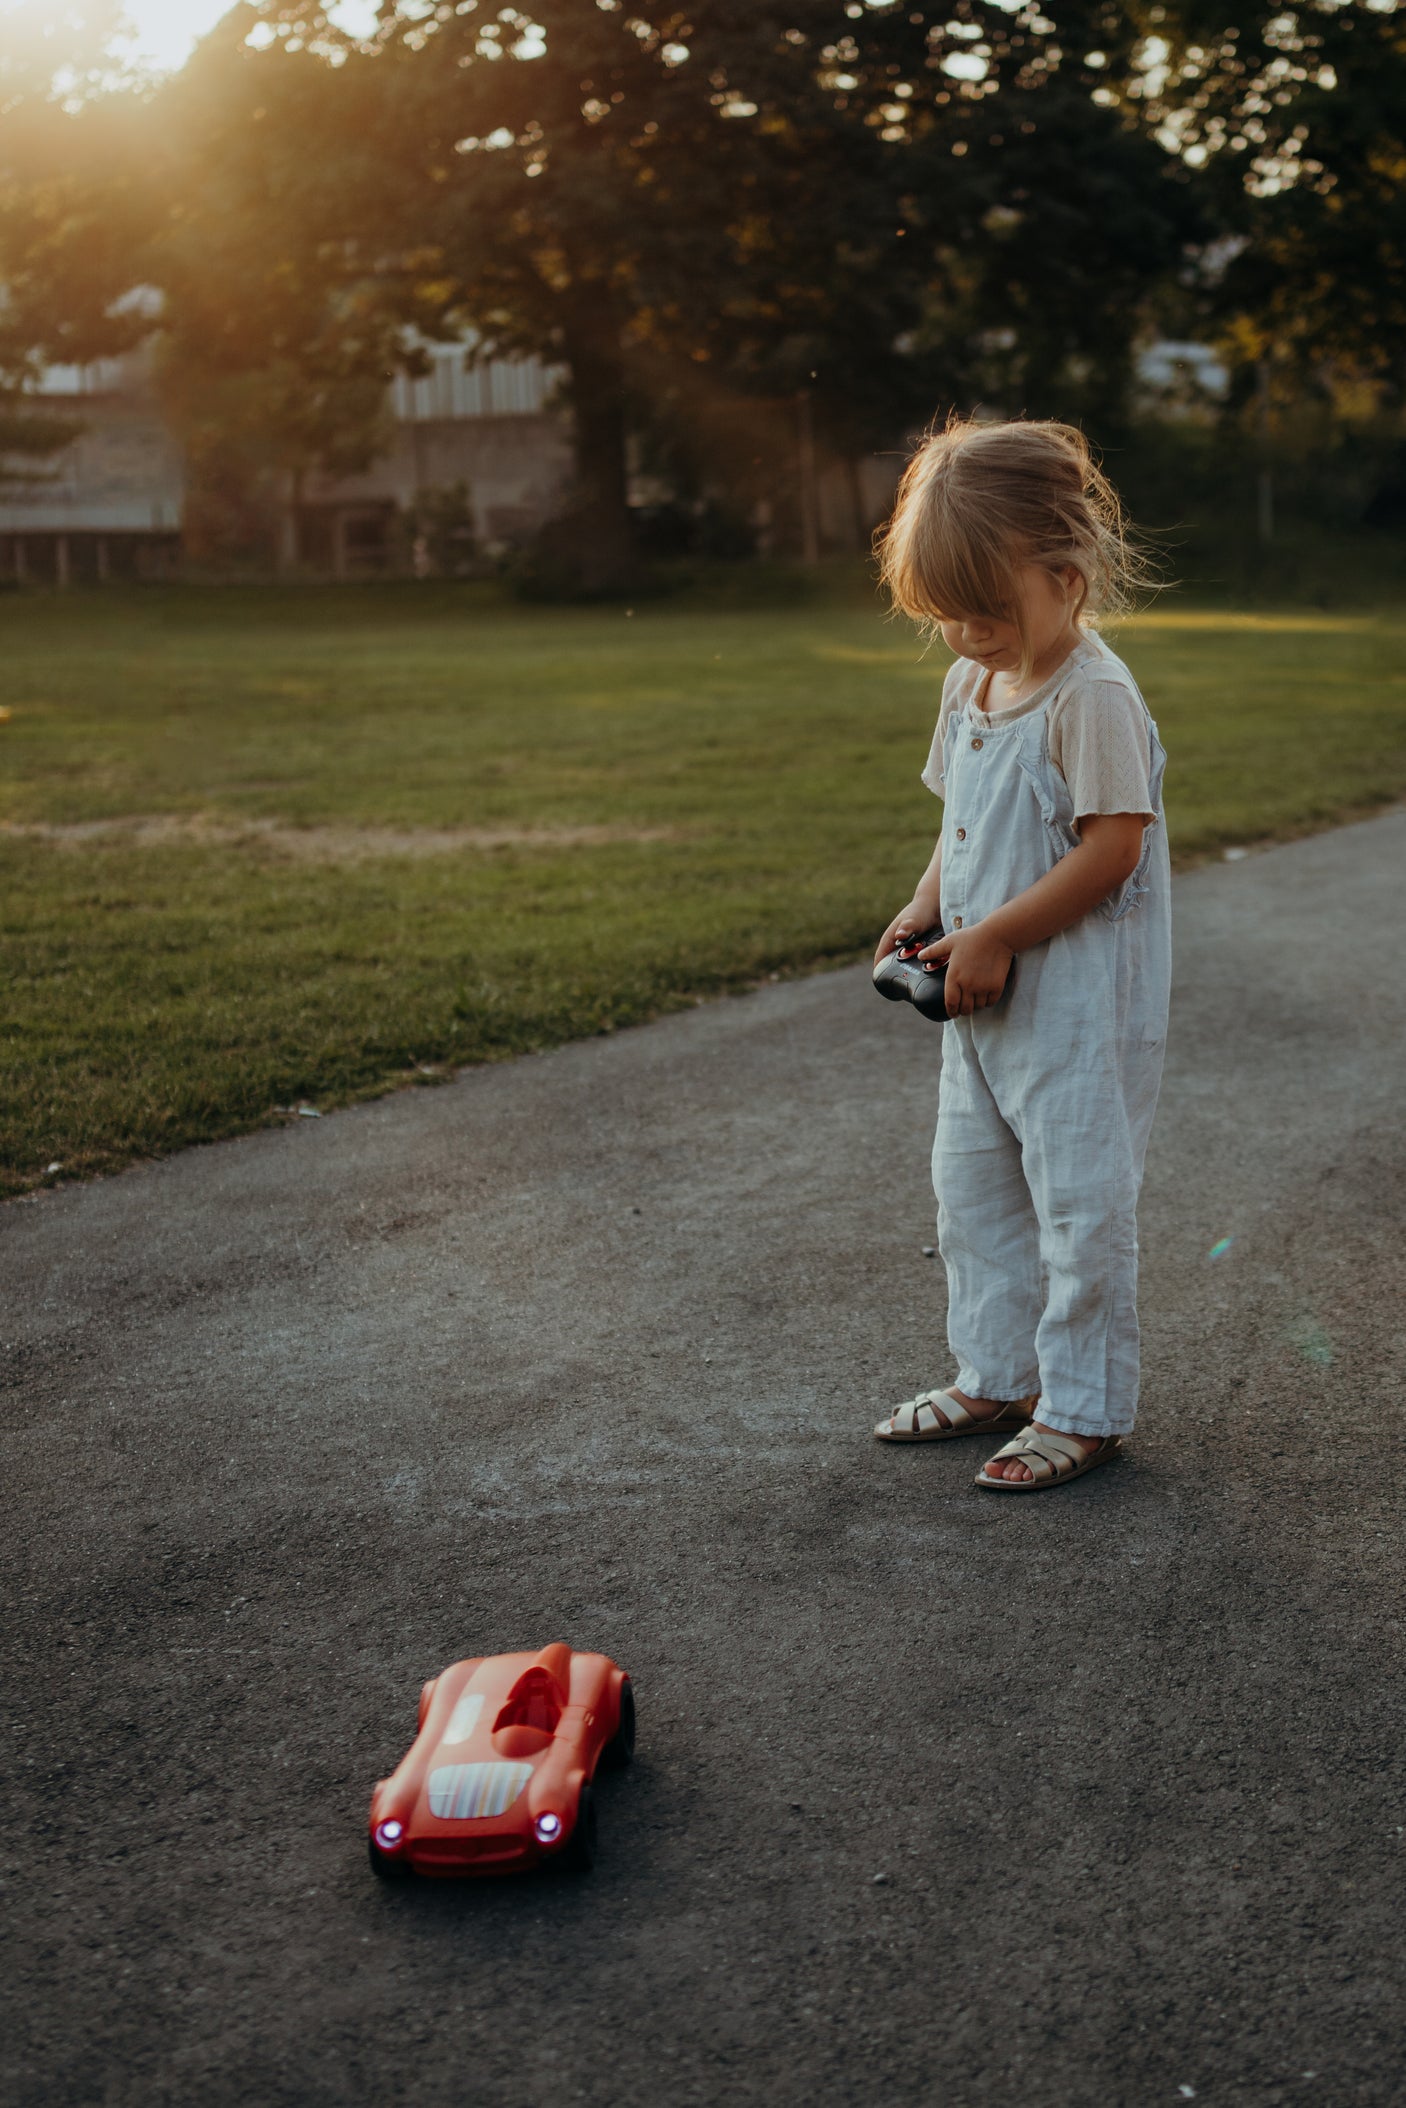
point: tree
(767, 197)
(582, 182)
(272, 359)
(277, 343)
(1295, 120)
(66, 237)
(889, 207)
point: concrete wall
(114, 500)
(516, 469)
(122, 475)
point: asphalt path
(941, 1797)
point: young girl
(1051, 882)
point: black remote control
(903, 978)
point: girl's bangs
(962, 576)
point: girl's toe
(1006, 1468)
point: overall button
(977, 742)
(961, 834)
(956, 922)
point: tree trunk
(856, 504)
(290, 540)
(807, 482)
(594, 537)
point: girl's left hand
(978, 966)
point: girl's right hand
(919, 915)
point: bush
(1338, 505)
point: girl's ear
(1076, 588)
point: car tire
(388, 1866)
(580, 1854)
(621, 1746)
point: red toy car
(499, 1776)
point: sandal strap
(935, 1412)
(917, 1416)
(952, 1410)
(1048, 1455)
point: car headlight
(389, 1834)
(547, 1828)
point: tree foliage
(1294, 120)
(888, 206)
(67, 236)
(277, 344)
(861, 201)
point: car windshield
(463, 1793)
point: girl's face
(1047, 601)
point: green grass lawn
(396, 829)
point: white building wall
(122, 475)
(491, 427)
(457, 388)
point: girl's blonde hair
(980, 501)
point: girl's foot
(936, 1416)
(1012, 1468)
(994, 1408)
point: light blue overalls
(1047, 1099)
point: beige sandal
(1054, 1459)
(917, 1421)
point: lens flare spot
(1220, 1248)
(1312, 1341)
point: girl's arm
(979, 958)
(922, 910)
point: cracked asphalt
(1092, 1798)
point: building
(490, 430)
(479, 457)
(1178, 378)
(108, 504)
(112, 502)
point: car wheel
(580, 1853)
(388, 1866)
(621, 1746)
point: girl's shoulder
(1100, 734)
(960, 683)
(1094, 664)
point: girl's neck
(1005, 691)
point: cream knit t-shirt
(1097, 727)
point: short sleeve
(1101, 745)
(953, 698)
